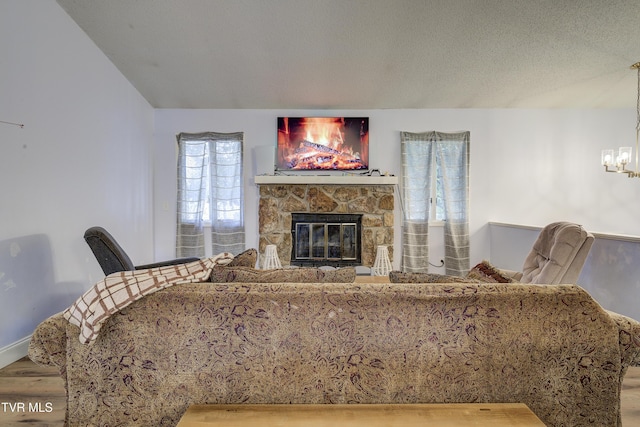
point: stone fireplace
(372, 204)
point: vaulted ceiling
(370, 54)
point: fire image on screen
(323, 143)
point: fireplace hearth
(326, 239)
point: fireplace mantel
(325, 180)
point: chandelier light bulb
(624, 155)
(607, 157)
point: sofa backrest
(551, 347)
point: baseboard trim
(15, 351)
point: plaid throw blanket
(118, 290)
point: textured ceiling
(370, 54)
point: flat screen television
(322, 143)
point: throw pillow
(487, 273)
(225, 274)
(402, 277)
(339, 275)
(247, 258)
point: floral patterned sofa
(551, 347)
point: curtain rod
(11, 123)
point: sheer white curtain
(452, 160)
(416, 153)
(210, 193)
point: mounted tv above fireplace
(323, 143)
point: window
(435, 166)
(210, 193)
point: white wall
(83, 158)
(545, 166)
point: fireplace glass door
(326, 243)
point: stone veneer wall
(278, 202)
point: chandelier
(619, 163)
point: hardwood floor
(630, 399)
(24, 384)
(34, 396)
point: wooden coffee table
(362, 415)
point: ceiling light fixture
(624, 153)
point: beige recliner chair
(557, 256)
